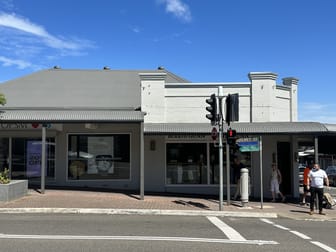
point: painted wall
(155, 163)
(260, 100)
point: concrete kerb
(137, 212)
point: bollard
(244, 186)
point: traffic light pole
(220, 161)
(220, 124)
(218, 119)
(228, 193)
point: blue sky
(200, 40)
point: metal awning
(70, 115)
(242, 128)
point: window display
(99, 157)
(187, 163)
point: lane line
(281, 227)
(231, 233)
(267, 221)
(303, 236)
(323, 246)
(136, 238)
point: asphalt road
(79, 232)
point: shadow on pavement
(191, 203)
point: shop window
(4, 153)
(186, 163)
(27, 155)
(94, 157)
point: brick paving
(56, 198)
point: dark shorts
(305, 188)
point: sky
(199, 40)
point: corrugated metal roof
(79, 88)
(330, 127)
(242, 128)
(70, 116)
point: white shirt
(317, 178)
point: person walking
(305, 189)
(315, 181)
(275, 182)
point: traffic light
(231, 136)
(212, 101)
(232, 108)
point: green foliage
(4, 176)
(2, 99)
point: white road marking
(303, 236)
(323, 246)
(135, 238)
(267, 221)
(227, 230)
(281, 227)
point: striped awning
(242, 128)
(74, 115)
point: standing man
(315, 181)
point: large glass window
(186, 163)
(4, 153)
(99, 157)
(26, 158)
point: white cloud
(317, 112)
(24, 25)
(135, 29)
(12, 62)
(23, 42)
(178, 9)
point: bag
(328, 201)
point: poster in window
(34, 156)
(101, 147)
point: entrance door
(284, 165)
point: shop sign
(186, 137)
(24, 126)
(14, 126)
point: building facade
(146, 130)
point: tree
(2, 99)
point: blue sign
(249, 146)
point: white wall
(260, 100)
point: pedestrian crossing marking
(231, 233)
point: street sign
(249, 146)
(214, 133)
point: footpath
(104, 202)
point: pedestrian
(305, 178)
(315, 181)
(275, 182)
(237, 165)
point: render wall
(261, 100)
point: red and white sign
(214, 133)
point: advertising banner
(34, 156)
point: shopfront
(102, 155)
(197, 163)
